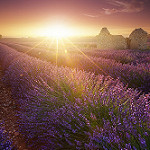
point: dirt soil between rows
(8, 116)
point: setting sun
(57, 30)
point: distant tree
(0, 36)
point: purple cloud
(132, 6)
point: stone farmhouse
(136, 40)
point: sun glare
(57, 31)
(65, 51)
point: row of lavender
(131, 67)
(62, 108)
(123, 56)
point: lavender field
(132, 67)
(80, 98)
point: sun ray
(50, 42)
(63, 45)
(35, 46)
(30, 49)
(105, 73)
(57, 46)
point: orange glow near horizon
(53, 29)
(57, 30)
(60, 30)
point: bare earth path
(8, 118)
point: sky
(23, 18)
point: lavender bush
(63, 108)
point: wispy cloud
(122, 6)
(91, 16)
